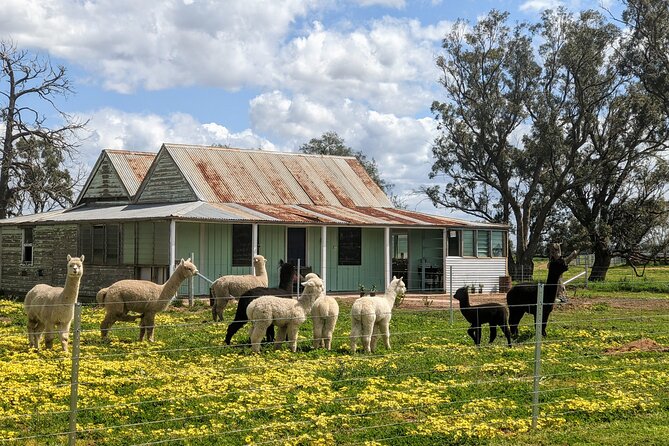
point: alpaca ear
(182, 262)
(69, 257)
(82, 258)
(188, 259)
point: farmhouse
(139, 213)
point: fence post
(450, 279)
(299, 277)
(191, 299)
(537, 354)
(74, 375)
(586, 272)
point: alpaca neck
(464, 302)
(390, 296)
(71, 290)
(286, 283)
(307, 300)
(172, 285)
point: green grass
(621, 281)
(434, 387)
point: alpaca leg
(385, 330)
(269, 334)
(493, 333)
(329, 331)
(318, 333)
(33, 337)
(367, 330)
(49, 334)
(355, 334)
(471, 331)
(515, 315)
(292, 336)
(233, 328)
(280, 336)
(375, 337)
(507, 334)
(257, 331)
(106, 324)
(147, 326)
(64, 335)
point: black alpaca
(493, 314)
(286, 280)
(522, 298)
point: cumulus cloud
(114, 129)
(539, 5)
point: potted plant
(472, 288)
(361, 288)
(372, 290)
(480, 288)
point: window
(350, 246)
(100, 243)
(27, 244)
(483, 243)
(242, 244)
(498, 244)
(453, 243)
(468, 244)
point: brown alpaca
(141, 296)
(50, 308)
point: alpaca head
(188, 267)
(397, 286)
(259, 263)
(75, 266)
(287, 272)
(461, 294)
(311, 284)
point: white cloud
(399, 4)
(114, 129)
(540, 5)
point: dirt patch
(640, 345)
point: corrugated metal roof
(131, 167)
(261, 213)
(226, 175)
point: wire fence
(602, 359)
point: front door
(297, 246)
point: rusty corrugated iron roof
(131, 167)
(260, 213)
(225, 175)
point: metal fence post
(537, 354)
(74, 376)
(450, 279)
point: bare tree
(30, 81)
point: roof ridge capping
(248, 150)
(130, 152)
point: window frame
(106, 252)
(24, 245)
(349, 253)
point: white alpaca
(286, 314)
(49, 307)
(324, 314)
(370, 317)
(225, 288)
(143, 297)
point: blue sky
(257, 74)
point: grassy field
(434, 387)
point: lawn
(434, 387)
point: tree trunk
(602, 261)
(521, 269)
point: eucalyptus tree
(490, 74)
(28, 83)
(647, 48)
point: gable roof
(222, 175)
(116, 176)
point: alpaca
(49, 307)
(371, 316)
(493, 314)
(286, 314)
(143, 297)
(554, 253)
(287, 278)
(324, 314)
(226, 288)
(522, 298)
